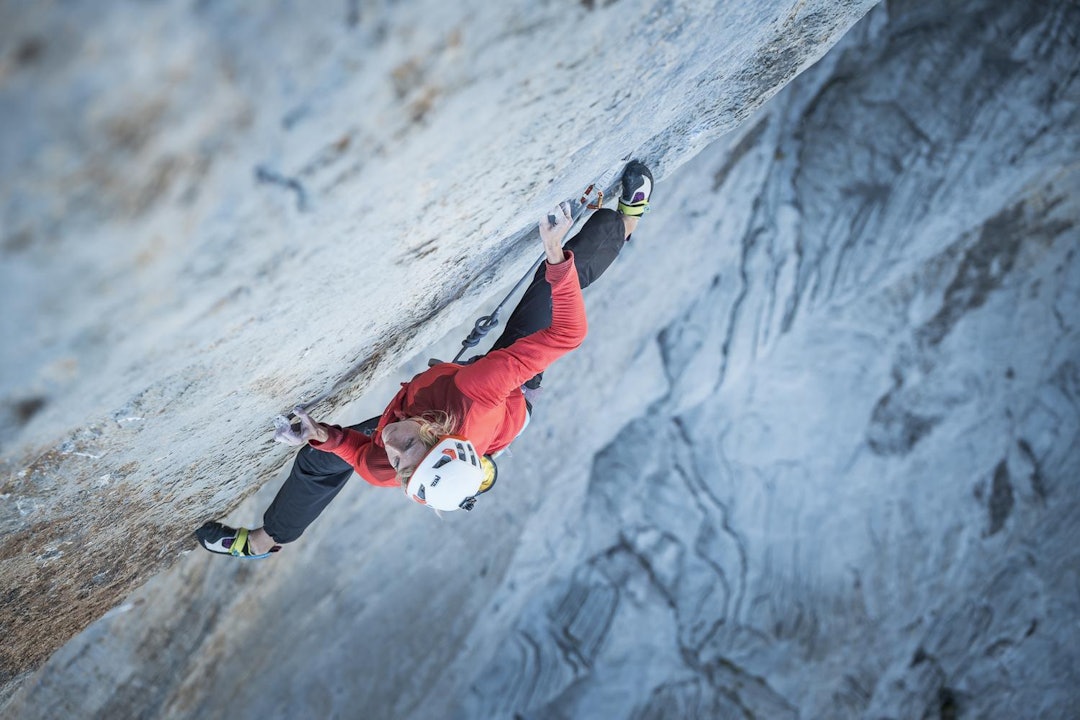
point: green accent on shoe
(213, 537)
(634, 209)
(239, 545)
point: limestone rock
(817, 457)
(211, 213)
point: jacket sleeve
(491, 378)
(367, 459)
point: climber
(436, 437)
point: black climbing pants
(317, 476)
(595, 247)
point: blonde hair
(434, 425)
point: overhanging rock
(210, 213)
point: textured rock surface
(857, 497)
(831, 400)
(210, 213)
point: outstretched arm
(354, 447)
(491, 378)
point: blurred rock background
(816, 458)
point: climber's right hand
(553, 229)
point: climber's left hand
(309, 429)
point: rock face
(212, 213)
(817, 457)
(856, 497)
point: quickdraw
(599, 198)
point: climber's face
(403, 445)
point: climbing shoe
(637, 184)
(224, 540)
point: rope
(486, 323)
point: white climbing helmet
(449, 476)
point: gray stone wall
(816, 458)
(210, 213)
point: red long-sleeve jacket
(485, 396)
